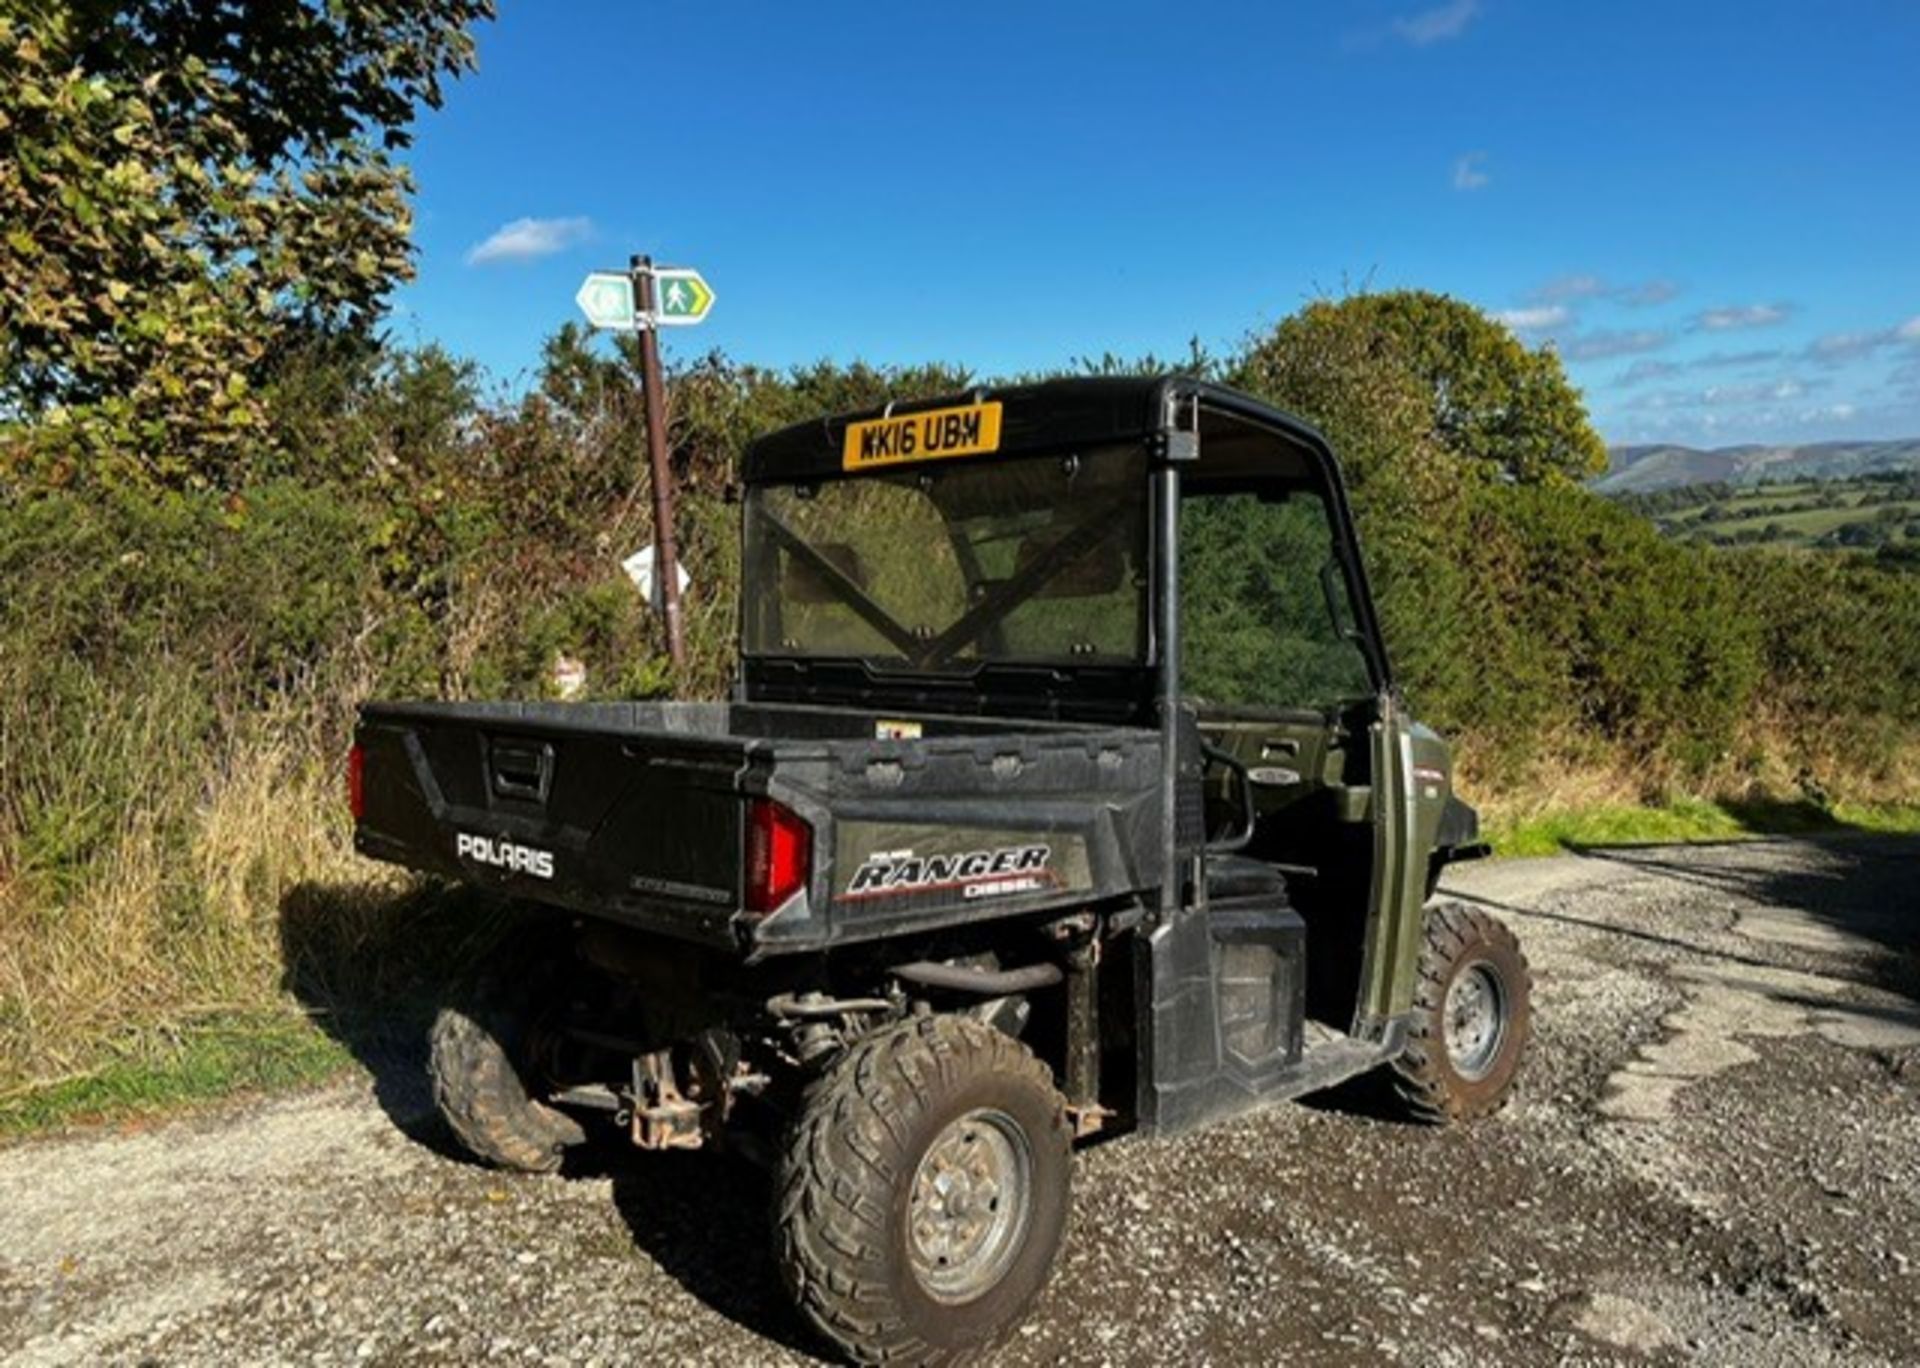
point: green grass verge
(1902, 818)
(1691, 819)
(211, 1060)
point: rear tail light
(779, 854)
(356, 782)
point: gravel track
(1715, 1158)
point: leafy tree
(1651, 644)
(1406, 492)
(1490, 399)
(193, 190)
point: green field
(1868, 514)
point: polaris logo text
(504, 854)
(975, 874)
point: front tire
(923, 1192)
(484, 1061)
(1472, 1018)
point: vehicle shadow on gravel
(1860, 886)
(365, 961)
(1369, 1096)
(705, 1220)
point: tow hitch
(663, 1117)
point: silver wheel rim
(968, 1208)
(1475, 1020)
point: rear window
(942, 566)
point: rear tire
(1472, 1018)
(483, 1062)
(923, 1192)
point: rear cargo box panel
(586, 818)
(937, 832)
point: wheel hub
(967, 1212)
(1474, 1020)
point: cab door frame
(1397, 886)
(1391, 946)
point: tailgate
(579, 805)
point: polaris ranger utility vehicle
(1065, 791)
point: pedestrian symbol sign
(607, 300)
(681, 295)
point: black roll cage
(1053, 417)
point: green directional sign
(607, 300)
(680, 295)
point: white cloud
(1774, 391)
(1597, 346)
(1723, 360)
(1534, 319)
(1683, 419)
(1834, 348)
(1571, 289)
(1567, 288)
(1645, 293)
(1848, 346)
(1731, 316)
(1641, 371)
(1727, 396)
(1436, 25)
(526, 239)
(1469, 172)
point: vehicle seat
(1242, 876)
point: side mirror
(800, 582)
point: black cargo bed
(636, 812)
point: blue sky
(1712, 209)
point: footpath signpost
(644, 299)
(683, 295)
(607, 300)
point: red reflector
(356, 784)
(779, 854)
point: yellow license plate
(932, 435)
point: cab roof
(1051, 415)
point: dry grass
(136, 911)
(274, 819)
(1770, 762)
(159, 887)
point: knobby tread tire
(474, 1061)
(841, 1182)
(1424, 1077)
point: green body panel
(1306, 759)
(1414, 777)
(1289, 758)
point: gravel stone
(1714, 1158)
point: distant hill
(1637, 469)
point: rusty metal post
(666, 559)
